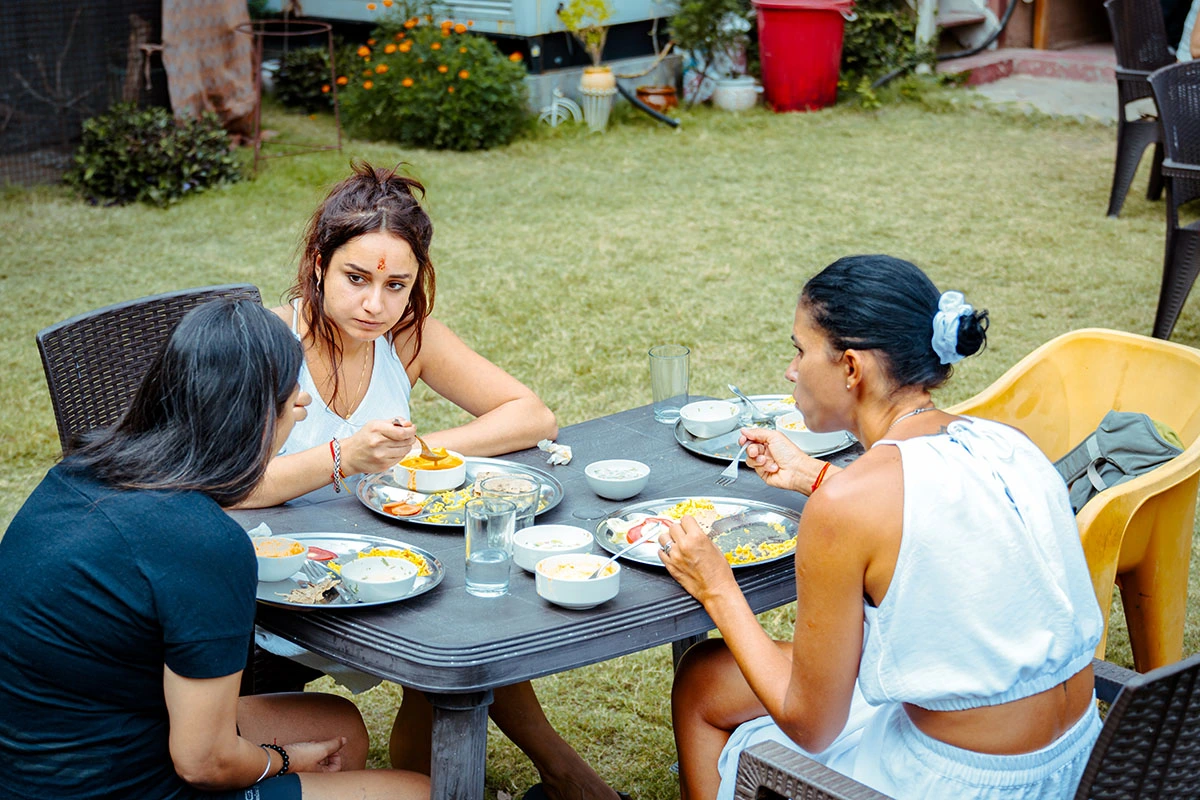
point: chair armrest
(1132, 74)
(1178, 169)
(786, 773)
(1110, 679)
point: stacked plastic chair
(1177, 92)
(1140, 38)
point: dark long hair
(205, 415)
(886, 304)
(369, 201)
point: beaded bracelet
(281, 752)
(820, 477)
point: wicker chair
(1149, 747)
(1177, 92)
(94, 363)
(1140, 37)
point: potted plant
(586, 21)
(715, 34)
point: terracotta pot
(660, 98)
(598, 78)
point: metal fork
(730, 473)
(315, 571)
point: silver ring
(666, 548)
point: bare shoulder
(284, 313)
(864, 499)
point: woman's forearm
(764, 665)
(515, 425)
(288, 477)
(238, 764)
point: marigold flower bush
(131, 154)
(428, 81)
(303, 80)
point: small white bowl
(792, 426)
(705, 419)
(274, 562)
(536, 542)
(377, 578)
(560, 579)
(429, 479)
(617, 478)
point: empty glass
(489, 525)
(524, 492)
(669, 380)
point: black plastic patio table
(456, 647)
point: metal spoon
(427, 453)
(623, 551)
(756, 413)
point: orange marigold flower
(435, 46)
(411, 23)
(463, 74)
(325, 88)
(429, 17)
(442, 68)
(420, 61)
(462, 49)
(515, 57)
(470, 23)
(460, 28)
(387, 3)
(391, 48)
(382, 68)
(446, 23)
(407, 82)
(370, 6)
(342, 80)
(399, 36)
(363, 51)
(450, 89)
(368, 84)
(371, 42)
(405, 47)
(367, 72)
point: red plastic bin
(800, 45)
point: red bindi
(382, 264)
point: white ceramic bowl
(792, 426)
(708, 418)
(560, 580)
(427, 479)
(274, 561)
(536, 542)
(377, 578)
(617, 478)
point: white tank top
(386, 397)
(991, 600)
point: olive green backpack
(1124, 446)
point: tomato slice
(321, 554)
(638, 531)
(401, 509)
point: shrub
(147, 155)
(882, 39)
(303, 79)
(434, 85)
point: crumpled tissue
(559, 453)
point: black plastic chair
(95, 362)
(1140, 38)
(1177, 92)
(1149, 747)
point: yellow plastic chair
(1137, 535)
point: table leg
(459, 744)
(680, 647)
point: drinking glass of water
(489, 523)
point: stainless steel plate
(760, 531)
(725, 446)
(347, 547)
(382, 487)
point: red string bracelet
(820, 477)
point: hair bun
(972, 332)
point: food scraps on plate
(638, 526)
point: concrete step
(1095, 63)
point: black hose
(1008, 12)
(674, 123)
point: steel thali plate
(347, 546)
(725, 446)
(772, 525)
(444, 509)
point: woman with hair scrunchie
(945, 617)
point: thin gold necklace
(912, 413)
(352, 404)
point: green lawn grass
(565, 256)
